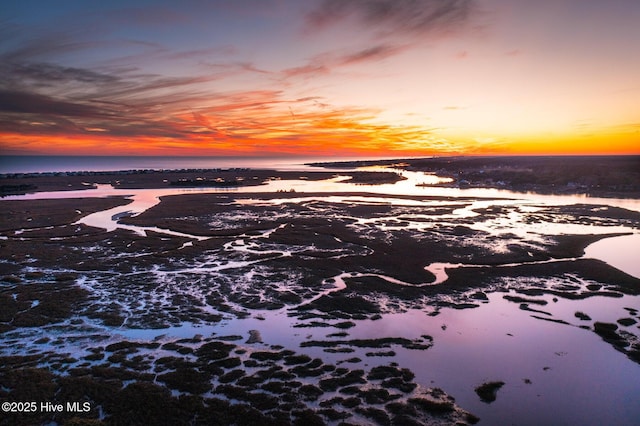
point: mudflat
(21, 183)
(277, 308)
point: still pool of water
(553, 373)
(620, 252)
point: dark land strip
(603, 176)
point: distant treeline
(206, 182)
(589, 173)
(16, 189)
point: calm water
(620, 252)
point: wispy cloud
(386, 28)
(314, 68)
(138, 94)
(328, 62)
(394, 16)
(375, 53)
(228, 122)
(43, 73)
(18, 102)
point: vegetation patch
(488, 391)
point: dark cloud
(48, 46)
(51, 89)
(203, 53)
(250, 67)
(313, 69)
(309, 98)
(145, 85)
(130, 105)
(55, 74)
(394, 16)
(371, 54)
(32, 103)
(25, 125)
(30, 113)
(325, 63)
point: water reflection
(553, 374)
(574, 377)
(620, 252)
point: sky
(320, 77)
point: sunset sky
(319, 77)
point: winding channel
(619, 251)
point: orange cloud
(252, 122)
(263, 123)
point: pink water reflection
(575, 377)
(620, 252)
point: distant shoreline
(602, 176)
